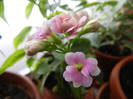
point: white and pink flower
(43, 32)
(80, 70)
(69, 22)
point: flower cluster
(49, 38)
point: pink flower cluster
(79, 70)
(65, 22)
(69, 23)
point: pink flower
(34, 46)
(43, 32)
(80, 70)
(69, 22)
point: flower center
(66, 19)
(79, 67)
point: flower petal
(74, 74)
(96, 72)
(68, 24)
(67, 76)
(82, 21)
(79, 58)
(85, 72)
(76, 84)
(56, 27)
(91, 66)
(69, 58)
(71, 37)
(86, 81)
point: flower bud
(91, 26)
(34, 46)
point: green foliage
(43, 68)
(81, 45)
(21, 36)
(65, 7)
(43, 7)
(89, 5)
(58, 56)
(119, 6)
(28, 9)
(102, 5)
(54, 14)
(30, 62)
(16, 56)
(2, 15)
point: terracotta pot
(51, 95)
(21, 82)
(106, 63)
(103, 92)
(115, 86)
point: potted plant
(14, 86)
(110, 44)
(121, 79)
(69, 70)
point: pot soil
(108, 56)
(126, 80)
(11, 91)
(15, 86)
(121, 79)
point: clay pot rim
(114, 77)
(110, 56)
(102, 88)
(26, 80)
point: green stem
(79, 93)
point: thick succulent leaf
(82, 45)
(28, 9)
(11, 60)
(21, 36)
(2, 15)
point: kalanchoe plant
(116, 31)
(61, 39)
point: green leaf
(82, 45)
(128, 44)
(58, 56)
(28, 9)
(2, 15)
(111, 3)
(53, 14)
(11, 60)
(119, 6)
(94, 39)
(89, 5)
(30, 62)
(43, 7)
(41, 67)
(82, 4)
(21, 36)
(43, 80)
(65, 7)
